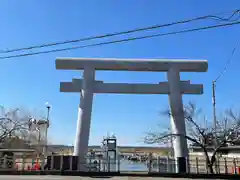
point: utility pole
(215, 119)
(214, 104)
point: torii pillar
(84, 115)
(177, 119)
(174, 88)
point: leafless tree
(204, 135)
(15, 125)
(11, 124)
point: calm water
(126, 165)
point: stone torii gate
(174, 87)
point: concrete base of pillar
(181, 165)
(82, 163)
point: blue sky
(31, 81)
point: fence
(221, 166)
(56, 163)
(161, 164)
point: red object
(238, 170)
(37, 166)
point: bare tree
(15, 125)
(12, 123)
(202, 134)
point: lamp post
(48, 111)
(48, 106)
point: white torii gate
(88, 86)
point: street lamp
(48, 106)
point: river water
(126, 165)
(162, 165)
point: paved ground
(2, 177)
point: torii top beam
(161, 65)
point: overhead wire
(214, 17)
(122, 40)
(214, 82)
(223, 71)
(229, 59)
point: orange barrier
(36, 167)
(236, 170)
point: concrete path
(3, 177)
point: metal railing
(70, 163)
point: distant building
(14, 143)
(62, 149)
(228, 150)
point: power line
(214, 17)
(227, 63)
(122, 40)
(214, 84)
